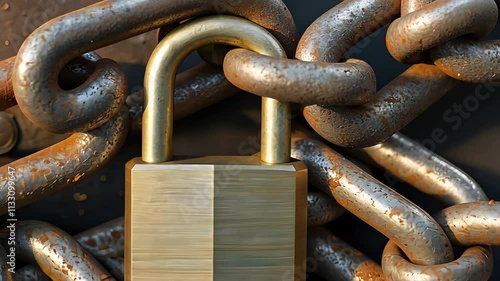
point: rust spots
(116, 234)
(491, 202)
(363, 9)
(91, 242)
(369, 271)
(44, 239)
(5, 7)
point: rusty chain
(67, 92)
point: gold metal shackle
(160, 78)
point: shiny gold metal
(8, 133)
(213, 218)
(159, 84)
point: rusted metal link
(74, 73)
(59, 255)
(105, 242)
(7, 98)
(469, 60)
(350, 83)
(31, 272)
(476, 223)
(340, 28)
(5, 274)
(396, 105)
(430, 173)
(62, 165)
(333, 259)
(321, 208)
(415, 231)
(195, 89)
(408, 37)
(476, 263)
(100, 97)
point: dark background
(219, 129)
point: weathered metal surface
(475, 223)
(428, 172)
(195, 89)
(5, 273)
(59, 255)
(100, 97)
(349, 83)
(333, 259)
(476, 263)
(395, 105)
(415, 231)
(409, 36)
(7, 98)
(321, 208)
(64, 164)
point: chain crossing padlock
(213, 218)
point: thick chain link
(63, 91)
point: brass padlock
(213, 218)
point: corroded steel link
(72, 75)
(7, 98)
(340, 28)
(469, 224)
(105, 242)
(321, 208)
(407, 38)
(469, 60)
(102, 24)
(5, 274)
(31, 272)
(396, 105)
(59, 255)
(420, 237)
(428, 172)
(62, 165)
(333, 259)
(195, 89)
(350, 83)
(476, 263)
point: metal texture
(321, 208)
(62, 165)
(158, 114)
(475, 223)
(476, 263)
(464, 58)
(349, 83)
(333, 259)
(5, 274)
(415, 231)
(101, 96)
(428, 172)
(9, 133)
(31, 272)
(195, 89)
(7, 98)
(59, 255)
(395, 106)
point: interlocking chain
(69, 89)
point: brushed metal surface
(215, 218)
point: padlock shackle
(160, 78)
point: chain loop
(59, 255)
(64, 164)
(421, 238)
(101, 96)
(465, 59)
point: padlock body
(215, 218)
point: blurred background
(219, 129)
